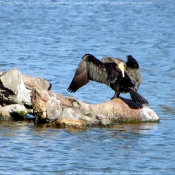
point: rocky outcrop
(31, 82)
(12, 89)
(16, 88)
(21, 94)
(68, 112)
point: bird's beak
(122, 68)
(123, 73)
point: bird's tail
(137, 98)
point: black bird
(120, 76)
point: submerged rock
(68, 123)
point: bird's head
(131, 62)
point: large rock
(119, 110)
(67, 111)
(16, 88)
(12, 88)
(49, 107)
(34, 82)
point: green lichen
(18, 115)
(22, 113)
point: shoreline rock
(33, 95)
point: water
(47, 39)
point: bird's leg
(116, 95)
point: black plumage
(120, 76)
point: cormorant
(120, 76)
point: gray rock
(35, 82)
(148, 115)
(13, 89)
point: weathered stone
(121, 110)
(148, 115)
(49, 104)
(16, 88)
(13, 89)
(39, 104)
(71, 113)
(5, 115)
(9, 112)
(62, 111)
(14, 107)
(104, 114)
(103, 120)
(34, 82)
(64, 123)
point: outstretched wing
(96, 70)
(133, 71)
(80, 78)
(102, 72)
(90, 68)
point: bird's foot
(116, 95)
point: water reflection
(167, 110)
(135, 128)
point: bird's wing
(108, 60)
(80, 78)
(90, 68)
(133, 71)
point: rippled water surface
(47, 39)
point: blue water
(47, 39)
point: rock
(103, 120)
(5, 115)
(48, 104)
(34, 82)
(61, 108)
(49, 107)
(15, 112)
(71, 113)
(66, 123)
(13, 89)
(15, 107)
(16, 88)
(148, 115)
(121, 110)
